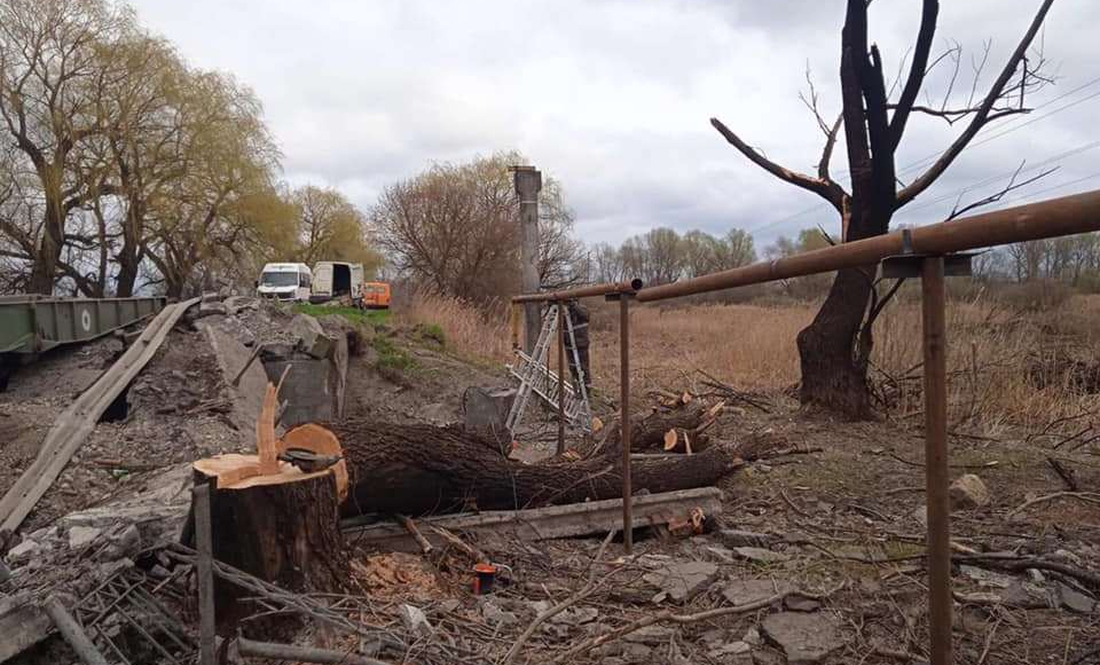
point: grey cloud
(611, 97)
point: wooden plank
(205, 570)
(77, 421)
(575, 519)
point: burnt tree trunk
(834, 374)
(282, 528)
(834, 349)
(417, 469)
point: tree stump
(282, 527)
(273, 519)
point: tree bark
(833, 375)
(834, 349)
(44, 270)
(417, 469)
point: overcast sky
(613, 97)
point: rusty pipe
(1063, 216)
(934, 304)
(629, 286)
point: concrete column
(528, 182)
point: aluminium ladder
(535, 376)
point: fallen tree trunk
(416, 469)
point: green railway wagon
(30, 324)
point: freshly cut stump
(282, 528)
(271, 519)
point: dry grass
(469, 331)
(1003, 363)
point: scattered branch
(1087, 497)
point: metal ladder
(535, 376)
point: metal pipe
(561, 378)
(1068, 215)
(73, 633)
(624, 419)
(628, 286)
(933, 304)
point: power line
(1006, 129)
(988, 181)
(1045, 190)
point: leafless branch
(827, 152)
(917, 71)
(983, 116)
(827, 190)
(811, 102)
(993, 198)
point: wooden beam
(577, 519)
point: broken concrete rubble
(680, 581)
(415, 621)
(804, 638)
(312, 338)
(744, 592)
(80, 536)
(485, 410)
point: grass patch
(431, 332)
(359, 317)
(392, 359)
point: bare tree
(456, 227)
(835, 348)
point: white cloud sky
(613, 97)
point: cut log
(282, 528)
(416, 469)
(647, 432)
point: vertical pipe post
(528, 183)
(205, 571)
(624, 406)
(561, 378)
(935, 458)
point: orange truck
(376, 295)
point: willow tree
(227, 164)
(835, 348)
(50, 103)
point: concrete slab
(248, 395)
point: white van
(285, 281)
(332, 279)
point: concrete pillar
(528, 182)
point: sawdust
(396, 575)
